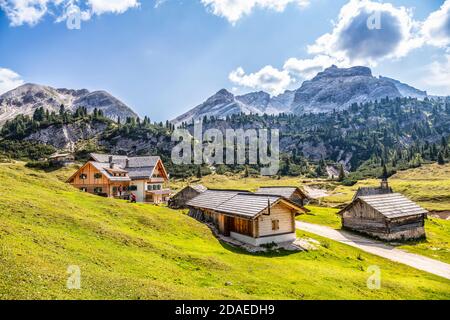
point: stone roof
(393, 205)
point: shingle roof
(286, 192)
(245, 204)
(393, 205)
(211, 199)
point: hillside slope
(138, 251)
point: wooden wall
(89, 170)
(279, 212)
(363, 218)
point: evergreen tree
(441, 159)
(199, 172)
(341, 173)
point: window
(83, 176)
(153, 187)
(97, 176)
(83, 189)
(275, 224)
(98, 190)
(132, 188)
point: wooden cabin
(180, 199)
(62, 159)
(120, 176)
(254, 219)
(388, 216)
(294, 194)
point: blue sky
(164, 60)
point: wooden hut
(388, 216)
(179, 200)
(255, 219)
(294, 194)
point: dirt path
(378, 248)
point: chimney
(127, 163)
(384, 184)
(110, 159)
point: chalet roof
(138, 167)
(245, 204)
(133, 162)
(104, 167)
(286, 192)
(393, 205)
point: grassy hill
(135, 251)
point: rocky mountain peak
(27, 98)
(335, 72)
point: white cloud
(234, 10)
(31, 12)
(22, 12)
(268, 79)
(438, 78)
(112, 6)
(368, 32)
(308, 68)
(436, 28)
(9, 80)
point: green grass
(322, 215)
(136, 251)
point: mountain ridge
(26, 98)
(332, 89)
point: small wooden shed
(251, 218)
(387, 216)
(179, 200)
(294, 194)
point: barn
(389, 217)
(254, 219)
(179, 200)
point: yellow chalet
(119, 176)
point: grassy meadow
(137, 251)
(428, 185)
